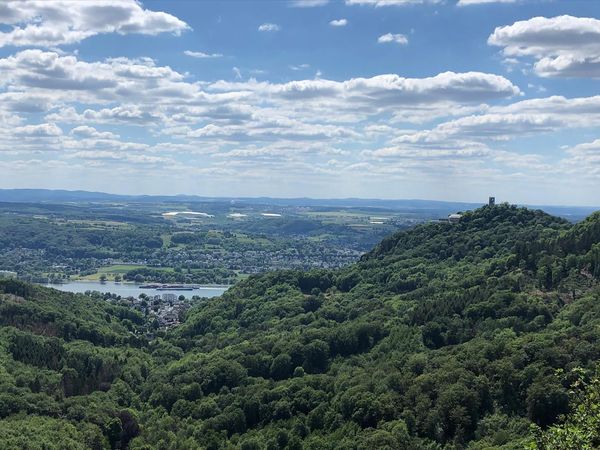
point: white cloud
(501, 123)
(42, 23)
(85, 131)
(582, 112)
(300, 67)
(25, 102)
(138, 92)
(588, 148)
(272, 129)
(583, 160)
(497, 126)
(569, 66)
(563, 46)
(254, 129)
(501, 126)
(399, 39)
(422, 155)
(338, 23)
(269, 27)
(41, 130)
(536, 87)
(202, 55)
(120, 156)
(124, 115)
(66, 78)
(385, 91)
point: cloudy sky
(433, 99)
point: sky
(430, 99)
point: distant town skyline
(451, 100)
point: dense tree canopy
(446, 336)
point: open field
(111, 271)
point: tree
(316, 356)
(546, 400)
(281, 367)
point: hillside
(442, 337)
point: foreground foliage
(443, 337)
(580, 429)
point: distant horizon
(229, 197)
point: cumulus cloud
(125, 115)
(583, 160)
(202, 55)
(502, 123)
(578, 112)
(589, 148)
(386, 90)
(88, 132)
(272, 129)
(422, 154)
(399, 39)
(41, 130)
(495, 127)
(569, 66)
(42, 23)
(562, 46)
(269, 27)
(501, 126)
(338, 23)
(293, 127)
(66, 78)
(227, 118)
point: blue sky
(436, 99)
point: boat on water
(169, 287)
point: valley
(443, 336)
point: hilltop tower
(492, 201)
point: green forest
(483, 334)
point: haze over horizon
(451, 100)
(54, 195)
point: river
(134, 290)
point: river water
(134, 290)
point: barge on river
(169, 287)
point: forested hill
(446, 336)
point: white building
(454, 218)
(7, 274)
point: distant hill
(445, 336)
(61, 196)
(573, 213)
